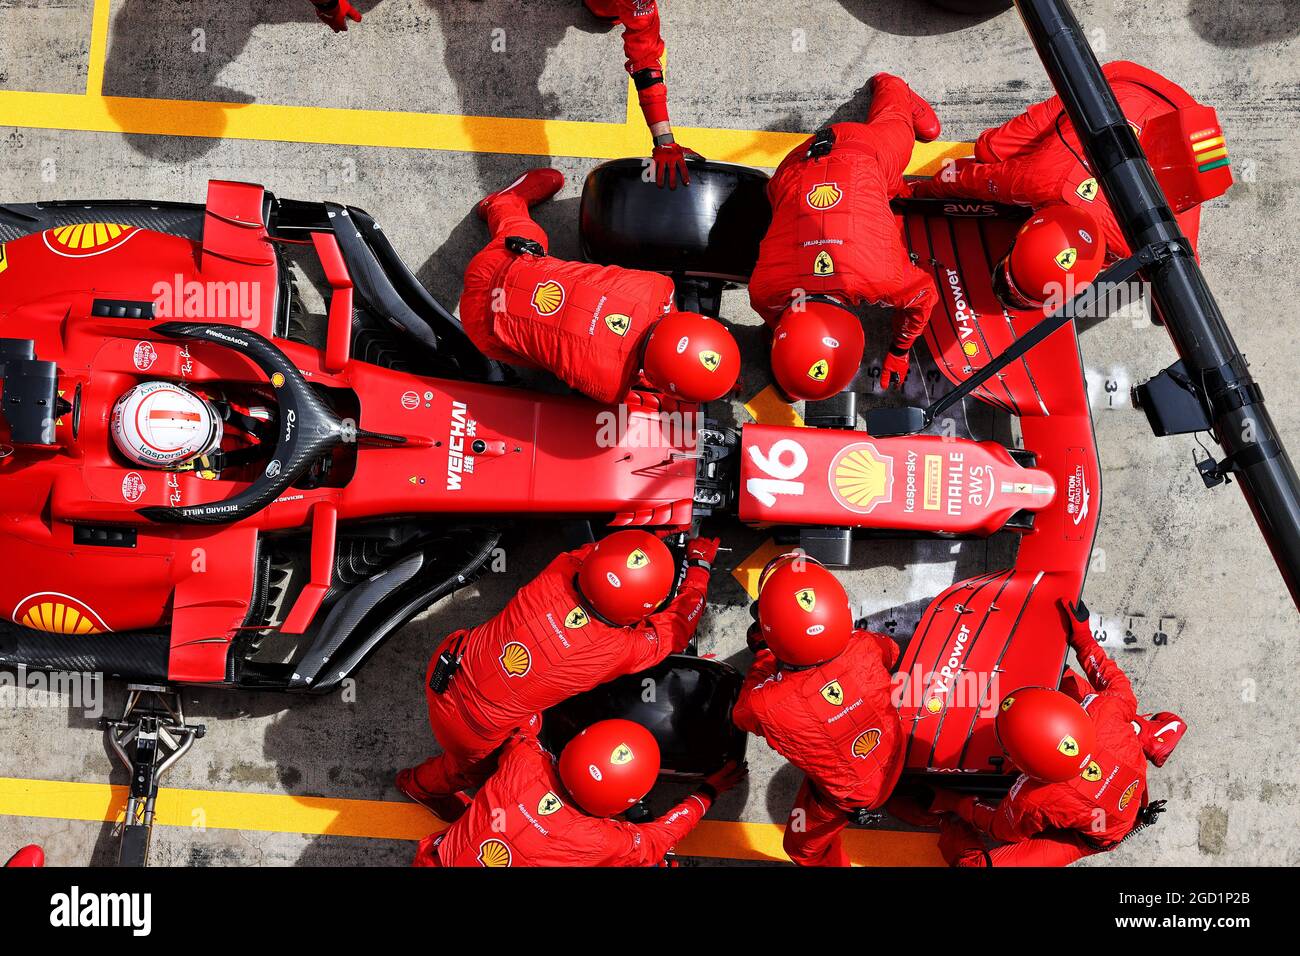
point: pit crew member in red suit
(1036, 158)
(834, 243)
(1082, 752)
(335, 14)
(602, 330)
(592, 615)
(643, 44)
(537, 811)
(819, 692)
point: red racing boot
(31, 855)
(532, 187)
(924, 119)
(1160, 734)
(447, 807)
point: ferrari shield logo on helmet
(807, 599)
(515, 659)
(823, 265)
(710, 360)
(548, 804)
(1006, 704)
(866, 742)
(820, 369)
(1068, 746)
(1092, 772)
(1087, 190)
(618, 323)
(833, 693)
(1066, 258)
(622, 754)
(824, 195)
(637, 559)
(576, 618)
(548, 297)
(493, 853)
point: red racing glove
(670, 164)
(703, 550)
(335, 14)
(896, 365)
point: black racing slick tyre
(709, 229)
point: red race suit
(838, 724)
(832, 230)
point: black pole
(1232, 400)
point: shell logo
(833, 693)
(861, 478)
(970, 348)
(548, 804)
(710, 360)
(616, 322)
(548, 297)
(515, 659)
(56, 613)
(1068, 746)
(1066, 258)
(637, 559)
(494, 853)
(934, 705)
(87, 238)
(622, 755)
(1127, 796)
(807, 599)
(825, 195)
(576, 618)
(866, 742)
(823, 265)
(1092, 772)
(1087, 190)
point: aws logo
(56, 613)
(494, 853)
(1087, 190)
(548, 804)
(548, 297)
(87, 238)
(618, 323)
(823, 265)
(866, 742)
(833, 693)
(515, 659)
(861, 477)
(576, 618)
(825, 196)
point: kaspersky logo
(548, 297)
(824, 196)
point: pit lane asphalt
(1175, 558)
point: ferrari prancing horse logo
(1068, 746)
(823, 265)
(1087, 190)
(710, 360)
(548, 804)
(637, 559)
(622, 755)
(833, 693)
(807, 599)
(1066, 258)
(576, 618)
(618, 323)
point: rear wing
(1219, 394)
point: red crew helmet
(692, 357)
(610, 766)
(803, 611)
(1057, 252)
(627, 575)
(816, 350)
(1046, 733)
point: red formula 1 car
(368, 472)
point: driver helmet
(164, 425)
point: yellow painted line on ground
(769, 408)
(746, 573)
(94, 112)
(387, 820)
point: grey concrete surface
(1175, 559)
